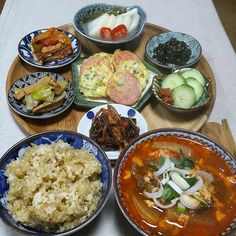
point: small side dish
(120, 76)
(107, 24)
(112, 131)
(183, 89)
(50, 188)
(177, 182)
(44, 95)
(112, 126)
(51, 45)
(173, 50)
(41, 95)
(49, 48)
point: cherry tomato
(105, 33)
(119, 32)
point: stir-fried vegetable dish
(172, 186)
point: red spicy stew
(174, 186)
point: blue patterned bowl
(191, 137)
(25, 52)
(27, 80)
(86, 11)
(76, 140)
(192, 43)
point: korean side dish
(44, 95)
(173, 51)
(184, 90)
(120, 76)
(112, 24)
(51, 45)
(112, 131)
(173, 186)
(53, 187)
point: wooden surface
(155, 115)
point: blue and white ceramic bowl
(192, 137)
(192, 43)
(76, 140)
(86, 11)
(25, 52)
(19, 107)
(125, 111)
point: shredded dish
(53, 187)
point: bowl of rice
(53, 183)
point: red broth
(154, 221)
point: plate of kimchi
(49, 48)
(112, 127)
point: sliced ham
(120, 56)
(124, 88)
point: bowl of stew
(177, 182)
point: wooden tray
(155, 115)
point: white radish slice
(164, 167)
(135, 21)
(181, 182)
(175, 187)
(206, 176)
(127, 22)
(195, 187)
(119, 20)
(189, 201)
(172, 203)
(111, 22)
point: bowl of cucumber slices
(184, 90)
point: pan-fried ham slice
(120, 56)
(124, 88)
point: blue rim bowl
(87, 10)
(76, 140)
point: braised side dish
(51, 45)
(172, 186)
(42, 96)
(173, 51)
(53, 187)
(112, 131)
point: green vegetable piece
(191, 181)
(180, 208)
(41, 94)
(169, 193)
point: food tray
(155, 115)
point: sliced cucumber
(198, 88)
(193, 73)
(172, 81)
(184, 96)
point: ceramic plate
(27, 80)
(192, 43)
(81, 101)
(125, 111)
(88, 10)
(25, 52)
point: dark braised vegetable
(111, 131)
(172, 51)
